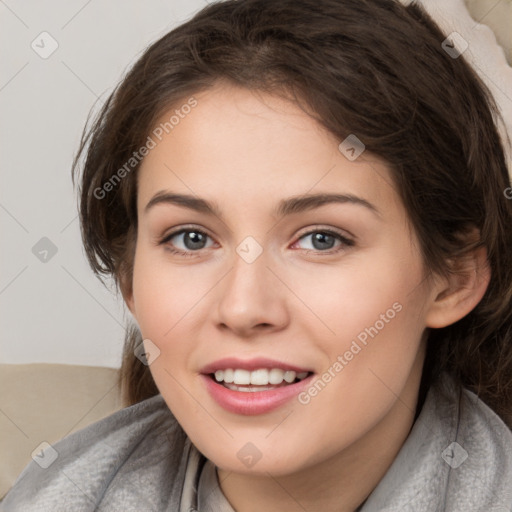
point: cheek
(162, 300)
(170, 306)
(162, 294)
(369, 322)
(362, 291)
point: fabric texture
(457, 457)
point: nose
(252, 298)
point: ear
(459, 293)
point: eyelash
(345, 242)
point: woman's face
(304, 260)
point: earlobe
(459, 293)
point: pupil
(194, 240)
(322, 238)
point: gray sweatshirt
(457, 458)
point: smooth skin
(303, 300)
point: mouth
(261, 379)
(253, 387)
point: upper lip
(250, 364)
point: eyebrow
(289, 206)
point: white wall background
(57, 311)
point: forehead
(237, 145)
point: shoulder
(120, 459)
(458, 456)
(483, 456)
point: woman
(303, 206)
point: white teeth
(242, 377)
(289, 376)
(229, 375)
(260, 377)
(275, 376)
(248, 389)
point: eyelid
(329, 229)
(346, 242)
(165, 239)
(178, 230)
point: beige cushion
(45, 402)
(497, 16)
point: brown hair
(373, 68)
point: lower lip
(251, 403)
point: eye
(325, 240)
(186, 241)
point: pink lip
(253, 403)
(250, 364)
